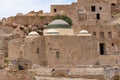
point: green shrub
(6, 60)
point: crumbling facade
(91, 44)
(92, 16)
(85, 12)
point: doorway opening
(98, 16)
(102, 48)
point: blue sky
(11, 7)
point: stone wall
(51, 50)
(109, 60)
(5, 36)
(68, 50)
(37, 21)
(81, 12)
(110, 36)
(28, 49)
(15, 48)
(35, 50)
(64, 51)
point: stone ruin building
(91, 44)
(89, 17)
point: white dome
(51, 31)
(58, 22)
(33, 33)
(83, 32)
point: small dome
(33, 33)
(83, 32)
(51, 31)
(58, 24)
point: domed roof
(51, 31)
(33, 33)
(58, 23)
(83, 32)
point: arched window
(110, 35)
(101, 35)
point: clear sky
(11, 7)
